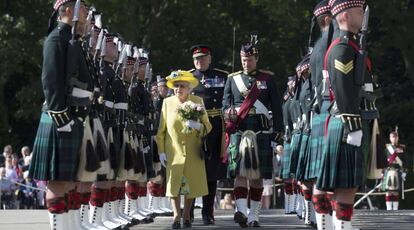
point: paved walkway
(270, 219)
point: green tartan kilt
(284, 169)
(317, 142)
(56, 154)
(264, 148)
(295, 151)
(342, 164)
(303, 157)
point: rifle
(73, 54)
(363, 53)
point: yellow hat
(181, 75)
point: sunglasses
(180, 85)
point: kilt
(317, 142)
(215, 169)
(56, 154)
(284, 169)
(341, 164)
(392, 180)
(263, 143)
(303, 157)
(295, 150)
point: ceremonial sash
(394, 156)
(245, 107)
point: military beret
(321, 8)
(200, 50)
(337, 6)
(248, 49)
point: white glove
(354, 138)
(403, 175)
(193, 124)
(67, 127)
(163, 159)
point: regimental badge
(344, 68)
(261, 84)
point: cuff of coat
(60, 118)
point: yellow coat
(182, 150)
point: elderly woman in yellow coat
(180, 152)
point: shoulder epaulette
(191, 70)
(221, 71)
(235, 73)
(266, 72)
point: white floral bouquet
(190, 111)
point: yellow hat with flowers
(181, 75)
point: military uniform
(305, 100)
(212, 82)
(255, 121)
(250, 154)
(56, 154)
(399, 164)
(342, 161)
(320, 107)
(211, 88)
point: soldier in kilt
(249, 151)
(59, 136)
(305, 98)
(394, 175)
(321, 203)
(288, 180)
(158, 203)
(142, 100)
(342, 161)
(212, 81)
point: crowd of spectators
(17, 190)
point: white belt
(109, 104)
(81, 93)
(121, 105)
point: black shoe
(241, 219)
(176, 225)
(254, 224)
(134, 221)
(207, 220)
(187, 224)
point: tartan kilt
(342, 164)
(295, 150)
(392, 180)
(284, 169)
(264, 148)
(303, 157)
(317, 141)
(56, 154)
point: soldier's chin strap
(51, 23)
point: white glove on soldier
(354, 138)
(67, 127)
(193, 124)
(163, 159)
